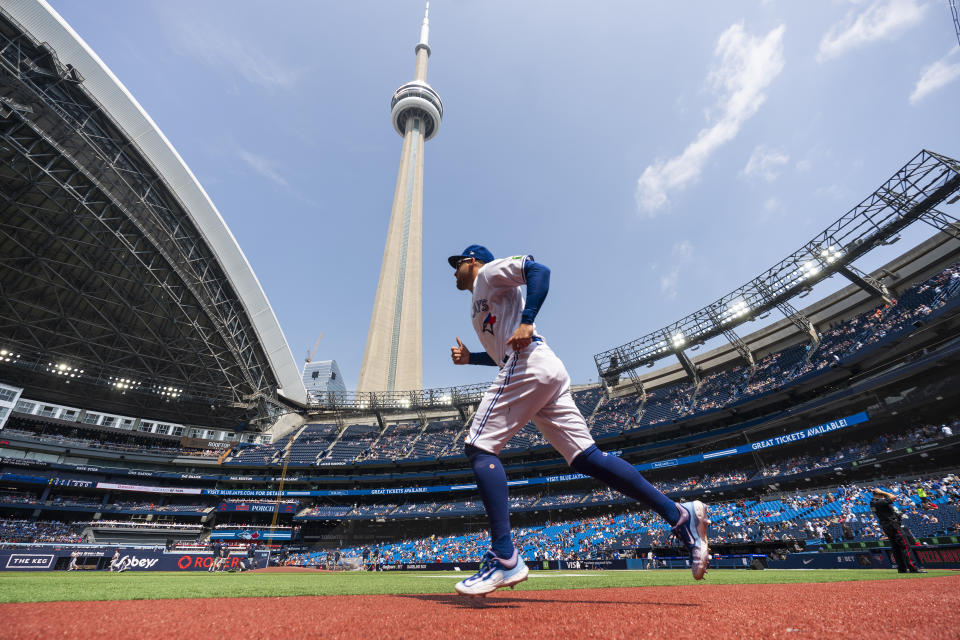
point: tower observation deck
(393, 358)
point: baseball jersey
(497, 304)
(887, 514)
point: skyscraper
(393, 358)
(321, 376)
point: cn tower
(393, 358)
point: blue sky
(654, 155)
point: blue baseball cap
(473, 251)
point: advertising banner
(203, 443)
(146, 489)
(256, 507)
(871, 559)
(946, 557)
(39, 559)
(251, 534)
(27, 561)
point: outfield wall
(931, 557)
(139, 559)
(131, 559)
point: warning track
(928, 609)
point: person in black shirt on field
(214, 556)
(890, 522)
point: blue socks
(622, 476)
(611, 470)
(492, 484)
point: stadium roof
(114, 262)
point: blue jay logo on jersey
(488, 323)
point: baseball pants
(532, 385)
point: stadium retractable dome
(117, 273)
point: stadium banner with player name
(256, 507)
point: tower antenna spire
(425, 30)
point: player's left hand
(521, 337)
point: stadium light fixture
(807, 270)
(736, 309)
(170, 392)
(8, 356)
(678, 340)
(831, 254)
(63, 370)
(124, 383)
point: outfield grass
(60, 586)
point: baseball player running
(534, 385)
(115, 562)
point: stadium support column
(393, 358)
(735, 341)
(688, 366)
(800, 321)
(866, 282)
(685, 362)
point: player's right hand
(460, 354)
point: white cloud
(938, 75)
(219, 49)
(772, 209)
(263, 167)
(744, 66)
(682, 251)
(881, 19)
(765, 163)
(680, 255)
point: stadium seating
(354, 440)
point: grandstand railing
(374, 401)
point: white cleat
(493, 575)
(691, 530)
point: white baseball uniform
(532, 383)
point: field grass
(62, 586)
